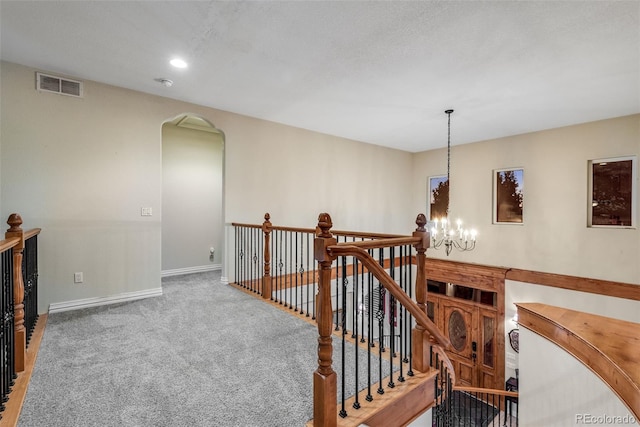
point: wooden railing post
(420, 337)
(15, 221)
(325, 391)
(266, 278)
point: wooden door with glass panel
(471, 327)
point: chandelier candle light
(443, 232)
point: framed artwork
(438, 197)
(612, 201)
(508, 196)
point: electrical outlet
(78, 277)
(146, 212)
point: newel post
(266, 278)
(15, 221)
(420, 337)
(325, 391)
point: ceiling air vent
(61, 85)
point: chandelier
(443, 231)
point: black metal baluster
(356, 403)
(380, 316)
(400, 310)
(251, 260)
(240, 246)
(260, 261)
(392, 318)
(313, 306)
(343, 321)
(292, 274)
(381, 301)
(410, 319)
(255, 267)
(249, 256)
(275, 274)
(236, 230)
(295, 269)
(5, 367)
(281, 265)
(308, 283)
(301, 271)
(337, 327)
(370, 338)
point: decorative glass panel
(431, 311)
(457, 330)
(488, 341)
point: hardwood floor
(16, 398)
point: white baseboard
(97, 301)
(189, 270)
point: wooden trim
(7, 244)
(608, 347)
(573, 283)
(30, 233)
(409, 400)
(384, 243)
(16, 398)
(360, 234)
(473, 275)
(486, 390)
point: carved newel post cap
(421, 221)
(267, 217)
(325, 224)
(14, 221)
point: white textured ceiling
(378, 72)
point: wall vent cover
(60, 85)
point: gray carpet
(203, 354)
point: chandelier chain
(443, 232)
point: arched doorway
(192, 195)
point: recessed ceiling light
(178, 63)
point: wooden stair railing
(612, 356)
(18, 236)
(14, 336)
(425, 334)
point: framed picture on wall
(508, 196)
(613, 193)
(438, 197)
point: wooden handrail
(395, 290)
(495, 391)
(608, 347)
(383, 243)
(32, 232)
(7, 244)
(360, 234)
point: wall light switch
(78, 277)
(145, 212)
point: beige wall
(554, 237)
(82, 168)
(192, 169)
